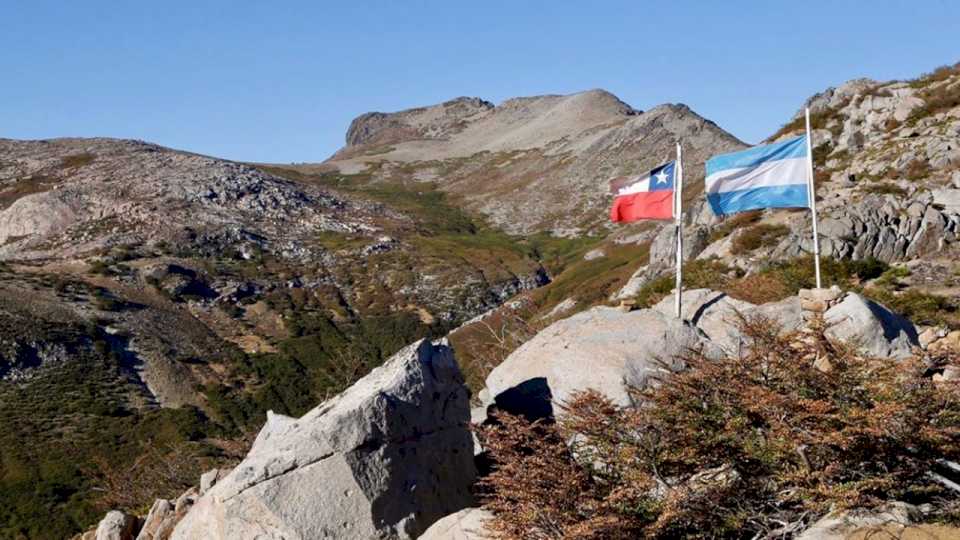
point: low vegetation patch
(773, 282)
(884, 188)
(734, 223)
(76, 161)
(938, 92)
(758, 236)
(917, 169)
(754, 445)
(818, 120)
(23, 187)
(918, 306)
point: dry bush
(156, 473)
(885, 188)
(784, 442)
(942, 73)
(346, 367)
(735, 222)
(485, 344)
(917, 169)
(759, 288)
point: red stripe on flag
(642, 205)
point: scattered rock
(823, 364)
(950, 341)
(467, 524)
(950, 373)
(930, 335)
(561, 308)
(385, 459)
(879, 331)
(209, 478)
(842, 525)
(826, 296)
(186, 500)
(787, 313)
(714, 313)
(117, 525)
(160, 513)
(721, 477)
(594, 254)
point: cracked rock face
(385, 459)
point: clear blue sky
(280, 81)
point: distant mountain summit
(530, 163)
(432, 122)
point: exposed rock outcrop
(879, 331)
(385, 459)
(467, 524)
(432, 122)
(117, 525)
(609, 350)
(889, 521)
(603, 348)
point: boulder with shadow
(385, 459)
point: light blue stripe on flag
(785, 196)
(752, 157)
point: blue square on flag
(661, 178)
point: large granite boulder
(890, 521)
(467, 524)
(385, 459)
(603, 348)
(712, 312)
(878, 331)
(161, 517)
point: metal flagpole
(811, 194)
(677, 213)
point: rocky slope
(146, 290)
(887, 158)
(528, 164)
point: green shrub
(891, 278)
(758, 236)
(918, 306)
(100, 267)
(697, 274)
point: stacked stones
(813, 304)
(941, 345)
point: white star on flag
(662, 177)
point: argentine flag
(770, 176)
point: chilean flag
(649, 196)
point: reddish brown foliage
(785, 442)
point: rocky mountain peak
(529, 163)
(435, 121)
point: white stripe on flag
(641, 185)
(780, 172)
